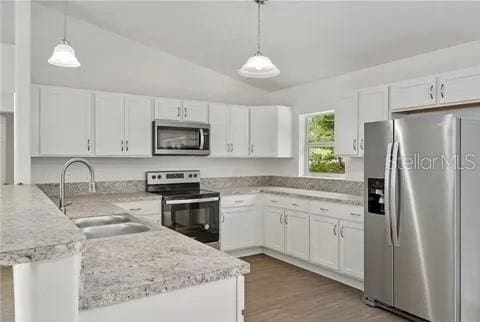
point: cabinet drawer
(336, 210)
(239, 201)
(147, 207)
(297, 204)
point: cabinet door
(138, 126)
(324, 241)
(194, 111)
(238, 130)
(351, 249)
(411, 94)
(297, 234)
(274, 231)
(168, 109)
(109, 124)
(459, 86)
(218, 130)
(346, 128)
(372, 106)
(65, 122)
(263, 131)
(241, 228)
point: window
(320, 146)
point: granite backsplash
(318, 184)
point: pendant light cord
(258, 28)
(65, 21)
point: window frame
(308, 145)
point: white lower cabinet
(297, 234)
(274, 230)
(324, 241)
(351, 249)
(241, 227)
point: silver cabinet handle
(251, 148)
(286, 221)
(273, 201)
(431, 91)
(135, 209)
(354, 145)
(88, 145)
(324, 209)
(355, 214)
(341, 232)
(232, 147)
(178, 112)
(239, 201)
(335, 230)
(281, 219)
(185, 112)
(442, 90)
(121, 145)
(361, 144)
(126, 145)
(223, 218)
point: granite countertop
(293, 192)
(101, 204)
(121, 268)
(32, 228)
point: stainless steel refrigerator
(422, 216)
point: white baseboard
(300, 263)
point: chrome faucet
(91, 185)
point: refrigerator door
(424, 222)
(378, 242)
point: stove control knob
(195, 175)
(190, 175)
(154, 177)
(207, 226)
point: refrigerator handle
(393, 198)
(388, 229)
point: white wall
(321, 95)
(114, 63)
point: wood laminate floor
(280, 292)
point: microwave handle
(202, 139)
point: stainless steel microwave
(180, 138)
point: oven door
(196, 218)
(185, 138)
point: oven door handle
(188, 201)
(202, 139)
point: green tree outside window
(320, 147)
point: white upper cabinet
(271, 131)
(372, 106)
(324, 241)
(346, 125)
(65, 122)
(297, 234)
(138, 126)
(168, 109)
(238, 130)
(413, 93)
(109, 124)
(351, 249)
(459, 87)
(195, 111)
(219, 128)
(178, 110)
(123, 125)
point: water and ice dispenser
(376, 192)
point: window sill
(325, 176)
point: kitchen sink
(110, 225)
(114, 229)
(101, 220)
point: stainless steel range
(186, 208)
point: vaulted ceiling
(307, 40)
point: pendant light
(63, 54)
(259, 66)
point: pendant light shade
(259, 66)
(63, 54)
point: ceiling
(307, 40)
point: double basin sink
(110, 225)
